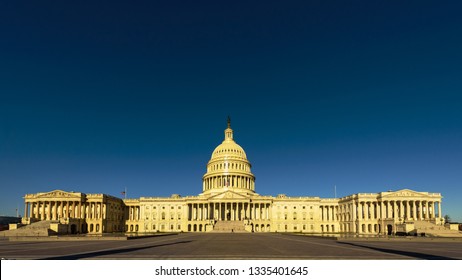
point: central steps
(229, 226)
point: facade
(228, 202)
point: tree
(447, 219)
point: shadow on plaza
(109, 252)
(416, 255)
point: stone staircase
(229, 226)
(41, 228)
(431, 229)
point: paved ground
(231, 246)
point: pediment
(228, 195)
(59, 194)
(404, 193)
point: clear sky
(99, 96)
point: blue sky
(100, 96)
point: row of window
(163, 216)
(295, 207)
(228, 151)
(163, 207)
(286, 227)
(294, 216)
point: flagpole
(335, 191)
(125, 193)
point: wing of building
(228, 202)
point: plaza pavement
(232, 246)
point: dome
(228, 149)
(228, 167)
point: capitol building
(229, 203)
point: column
(381, 205)
(61, 210)
(403, 209)
(431, 210)
(247, 210)
(390, 209)
(408, 209)
(55, 210)
(373, 210)
(426, 211)
(366, 210)
(194, 211)
(422, 206)
(354, 211)
(417, 210)
(199, 211)
(439, 209)
(231, 206)
(25, 210)
(420, 210)
(395, 210)
(48, 210)
(37, 210)
(42, 215)
(219, 212)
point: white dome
(228, 168)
